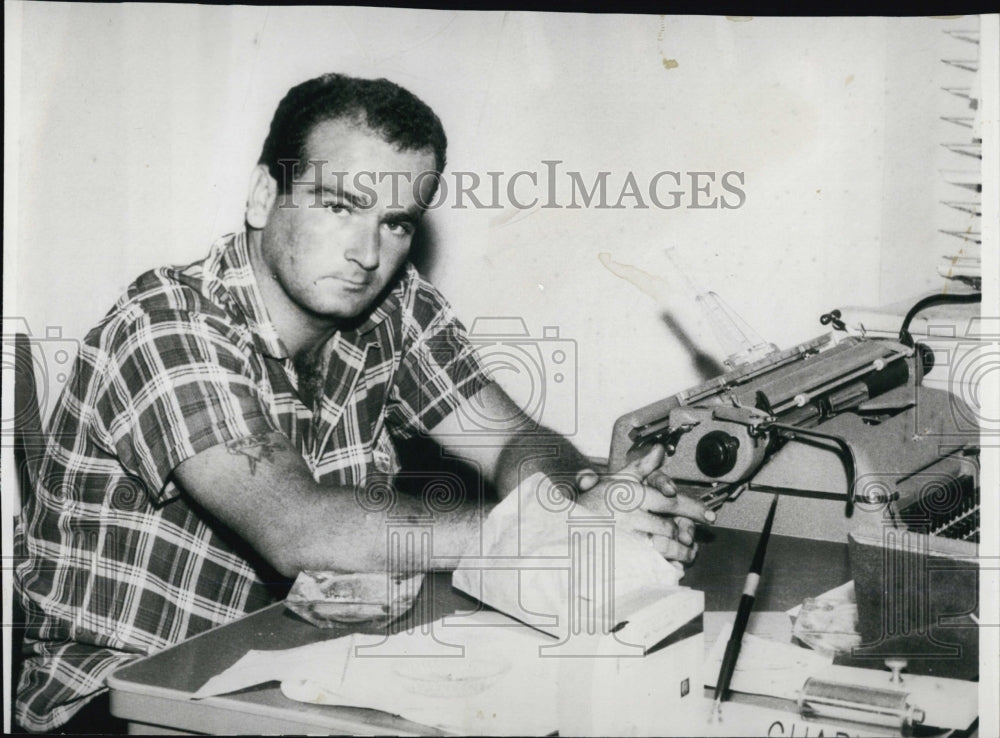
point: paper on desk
(479, 673)
(257, 667)
(539, 550)
(765, 667)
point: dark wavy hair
(397, 114)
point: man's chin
(343, 310)
(345, 304)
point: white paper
(257, 667)
(558, 566)
(764, 666)
(479, 673)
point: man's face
(336, 238)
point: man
(224, 420)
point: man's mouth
(352, 284)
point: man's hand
(666, 518)
(509, 456)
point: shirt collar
(236, 273)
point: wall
(138, 125)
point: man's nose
(365, 246)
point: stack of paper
(563, 568)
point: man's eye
(401, 229)
(337, 207)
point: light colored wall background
(130, 131)
(138, 126)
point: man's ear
(263, 193)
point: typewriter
(847, 416)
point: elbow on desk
(302, 552)
(289, 564)
(286, 565)
(308, 533)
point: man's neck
(299, 331)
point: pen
(743, 613)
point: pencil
(743, 613)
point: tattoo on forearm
(255, 448)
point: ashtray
(327, 599)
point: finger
(682, 505)
(673, 550)
(587, 479)
(647, 464)
(661, 481)
(685, 530)
(653, 525)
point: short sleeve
(175, 384)
(439, 366)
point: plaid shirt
(113, 561)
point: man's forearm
(541, 450)
(261, 488)
(404, 535)
(370, 528)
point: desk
(154, 693)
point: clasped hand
(648, 504)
